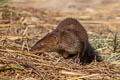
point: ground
(23, 22)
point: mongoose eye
(42, 44)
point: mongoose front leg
(65, 55)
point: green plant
(3, 1)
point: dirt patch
(64, 5)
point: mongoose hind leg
(81, 54)
(98, 58)
(66, 54)
(63, 53)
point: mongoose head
(46, 44)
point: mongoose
(69, 38)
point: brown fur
(69, 38)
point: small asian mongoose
(69, 39)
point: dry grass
(24, 30)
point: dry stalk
(69, 73)
(82, 77)
(26, 40)
(90, 22)
(4, 25)
(10, 50)
(11, 37)
(1, 21)
(108, 69)
(115, 42)
(20, 52)
(4, 59)
(58, 67)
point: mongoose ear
(62, 36)
(62, 33)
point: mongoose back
(69, 38)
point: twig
(35, 70)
